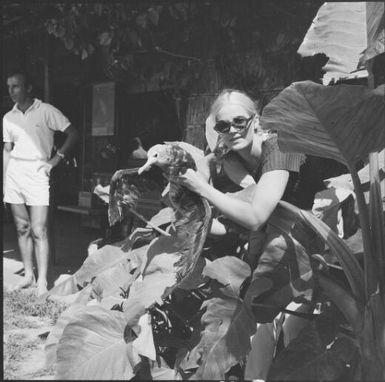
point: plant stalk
(369, 266)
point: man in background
(28, 135)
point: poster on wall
(103, 109)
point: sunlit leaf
(338, 31)
(159, 274)
(375, 31)
(229, 271)
(226, 337)
(103, 259)
(93, 347)
(56, 332)
(342, 122)
(228, 324)
(144, 343)
(164, 216)
(114, 281)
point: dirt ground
(27, 322)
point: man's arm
(69, 143)
(7, 148)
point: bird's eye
(156, 155)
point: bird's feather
(192, 212)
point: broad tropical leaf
(115, 281)
(144, 343)
(352, 310)
(229, 271)
(348, 261)
(93, 347)
(55, 334)
(342, 122)
(103, 259)
(158, 274)
(375, 31)
(228, 324)
(293, 284)
(315, 355)
(338, 31)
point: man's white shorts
(25, 184)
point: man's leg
(39, 226)
(23, 228)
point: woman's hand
(194, 181)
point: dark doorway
(149, 116)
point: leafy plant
(203, 330)
(345, 123)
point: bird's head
(168, 156)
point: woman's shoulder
(273, 158)
(269, 142)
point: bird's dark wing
(127, 187)
(192, 230)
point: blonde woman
(252, 158)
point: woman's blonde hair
(235, 97)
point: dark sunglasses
(240, 123)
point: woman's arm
(251, 215)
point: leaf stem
(156, 228)
(369, 267)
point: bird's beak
(147, 165)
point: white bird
(139, 152)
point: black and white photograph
(193, 190)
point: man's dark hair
(27, 78)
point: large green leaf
(93, 347)
(315, 355)
(342, 122)
(338, 31)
